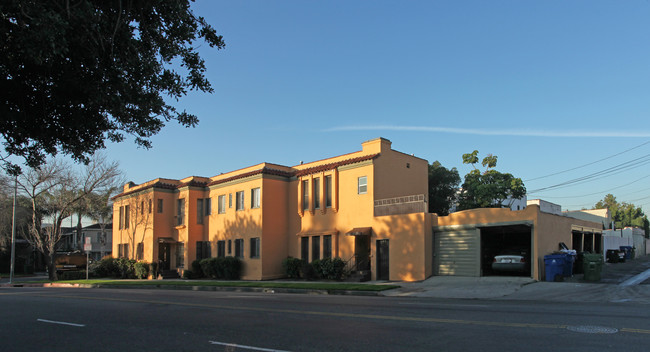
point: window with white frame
(316, 185)
(305, 195)
(239, 200)
(255, 198)
(221, 206)
(362, 187)
(180, 211)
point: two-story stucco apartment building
(367, 207)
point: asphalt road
(47, 319)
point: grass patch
(263, 284)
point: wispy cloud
(498, 132)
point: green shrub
(227, 268)
(189, 274)
(153, 269)
(106, 267)
(231, 268)
(329, 268)
(292, 267)
(141, 270)
(126, 267)
(308, 272)
(72, 275)
(197, 270)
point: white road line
(60, 322)
(636, 279)
(245, 347)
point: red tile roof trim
(332, 166)
(264, 170)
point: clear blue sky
(546, 86)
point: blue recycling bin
(554, 265)
(568, 264)
(628, 251)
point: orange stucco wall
(281, 220)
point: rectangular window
(229, 200)
(328, 191)
(207, 205)
(327, 246)
(140, 251)
(180, 212)
(229, 247)
(255, 247)
(160, 206)
(142, 207)
(305, 195)
(221, 206)
(123, 250)
(221, 249)
(180, 255)
(199, 211)
(239, 200)
(150, 206)
(315, 248)
(127, 212)
(316, 185)
(121, 224)
(203, 250)
(304, 248)
(239, 248)
(362, 185)
(255, 198)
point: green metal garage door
(457, 253)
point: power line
(601, 192)
(634, 163)
(588, 164)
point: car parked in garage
(512, 260)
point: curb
(204, 288)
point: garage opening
(511, 246)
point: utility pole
(13, 233)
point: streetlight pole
(13, 233)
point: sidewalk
(610, 287)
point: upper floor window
(239, 200)
(207, 206)
(255, 198)
(316, 185)
(150, 206)
(362, 187)
(199, 211)
(229, 200)
(221, 206)
(328, 191)
(127, 214)
(160, 205)
(305, 195)
(180, 212)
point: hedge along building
(366, 207)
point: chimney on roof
(377, 145)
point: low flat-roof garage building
(465, 242)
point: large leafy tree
(490, 188)
(443, 187)
(74, 73)
(624, 214)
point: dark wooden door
(164, 253)
(382, 260)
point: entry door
(362, 252)
(164, 253)
(382, 260)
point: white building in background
(101, 241)
(628, 236)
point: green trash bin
(593, 266)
